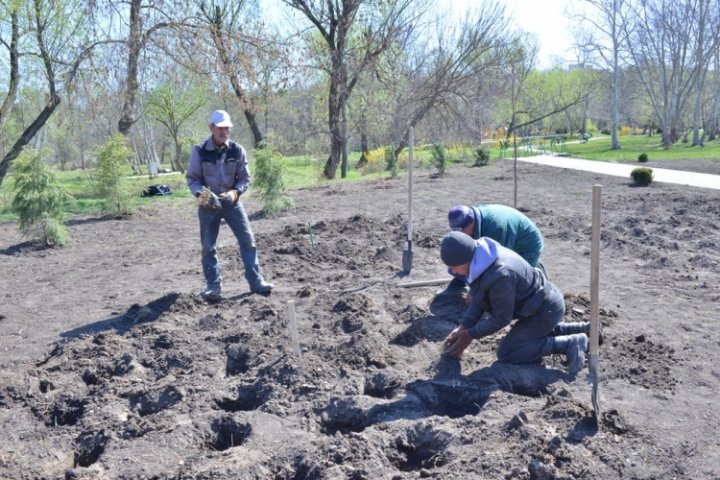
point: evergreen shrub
(642, 176)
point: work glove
(457, 341)
(230, 196)
(208, 199)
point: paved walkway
(704, 180)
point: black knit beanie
(456, 249)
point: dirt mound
(127, 381)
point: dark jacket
(507, 289)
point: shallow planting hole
(342, 416)
(65, 411)
(228, 433)
(148, 403)
(249, 397)
(451, 399)
(421, 448)
(88, 448)
(237, 360)
(381, 386)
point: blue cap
(460, 216)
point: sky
(546, 19)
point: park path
(703, 180)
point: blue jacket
(511, 229)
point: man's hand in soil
(457, 341)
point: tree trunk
(14, 71)
(336, 102)
(699, 77)
(364, 144)
(333, 160)
(221, 43)
(254, 128)
(667, 136)
(126, 119)
(343, 164)
(178, 165)
(28, 135)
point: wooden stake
(595, 300)
(423, 283)
(293, 329)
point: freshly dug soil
(112, 366)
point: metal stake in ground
(593, 377)
(407, 257)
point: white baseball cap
(220, 118)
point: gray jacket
(218, 169)
(507, 289)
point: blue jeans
(237, 220)
(528, 339)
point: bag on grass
(154, 190)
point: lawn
(305, 170)
(631, 146)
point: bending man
(504, 287)
(506, 225)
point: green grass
(632, 146)
(301, 171)
(85, 202)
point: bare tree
(664, 42)
(707, 32)
(607, 40)
(147, 19)
(11, 11)
(56, 27)
(448, 60)
(712, 122)
(226, 22)
(355, 34)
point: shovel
(593, 377)
(407, 256)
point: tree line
(318, 78)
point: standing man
(506, 225)
(504, 287)
(217, 175)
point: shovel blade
(407, 259)
(594, 380)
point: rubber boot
(569, 328)
(574, 347)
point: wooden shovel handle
(595, 273)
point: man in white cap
(217, 175)
(504, 287)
